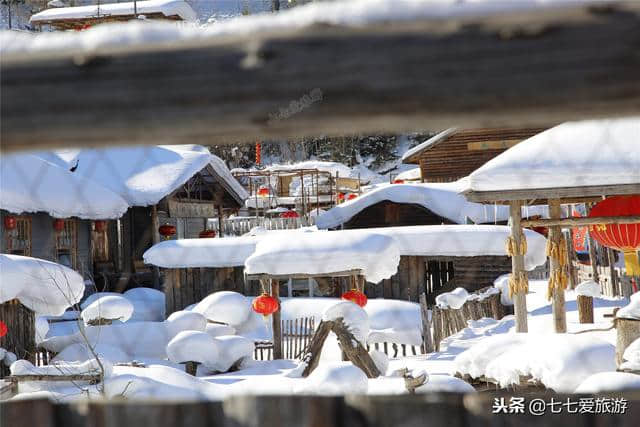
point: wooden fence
(433, 409)
(240, 225)
(448, 321)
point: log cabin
(455, 153)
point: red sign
(3, 329)
(580, 237)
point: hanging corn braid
(518, 283)
(510, 246)
(558, 278)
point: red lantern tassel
(631, 263)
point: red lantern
(398, 181)
(356, 297)
(10, 222)
(3, 329)
(622, 237)
(167, 230)
(207, 234)
(263, 192)
(100, 225)
(341, 197)
(352, 196)
(265, 304)
(289, 214)
(58, 224)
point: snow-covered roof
(167, 7)
(348, 13)
(428, 143)
(141, 175)
(574, 154)
(443, 199)
(459, 241)
(323, 253)
(419, 240)
(30, 184)
(227, 180)
(43, 286)
(410, 175)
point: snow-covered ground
(486, 347)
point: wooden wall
(416, 274)
(186, 286)
(452, 159)
(390, 214)
(20, 339)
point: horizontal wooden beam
(262, 276)
(540, 195)
(519, 69)
(580, 221)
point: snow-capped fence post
(517, 265)
(427, 337)
(585, 308)
(277, 327)
(557, 268)
(627, 331)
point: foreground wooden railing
(434, 409)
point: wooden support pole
(426, 325)
(277, 327)
(571, 270)
(517, 266)
(585, 309)
(557, 295)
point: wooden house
(455, 153)
(83, 17)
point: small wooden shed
(455, 153)
(576, 162)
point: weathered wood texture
(627, 331)
(585, 308)
(580, 221)
(186, 286)
(440, 409)
(275, 321)
(558, 309)
(461, 152)
(20, 338)
(296, 336)
(448, 321)
(529, 68)
(427, 336)
(517, 266)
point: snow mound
(353, 316)
(588, 288)
(376, 255)
(216, 330)
(186, 321)
(335, 380)
(380, 360)
(394, 321)
(559, 361)
(454, 299)
(631, 356)
(42, 329)
(148, 304)
(43, 286)
(502, 284)
(79, 352)
(232, 349)
(227, 307)
(194, 346)
(108, 307)
(89, 367)
(609, 381)
(632, 310)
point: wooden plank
(517, 263)
(558, 308)
(277, 331)
(426, 325)
(227, 89)
(580, 221)
(565, 194)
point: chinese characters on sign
(538, 406)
